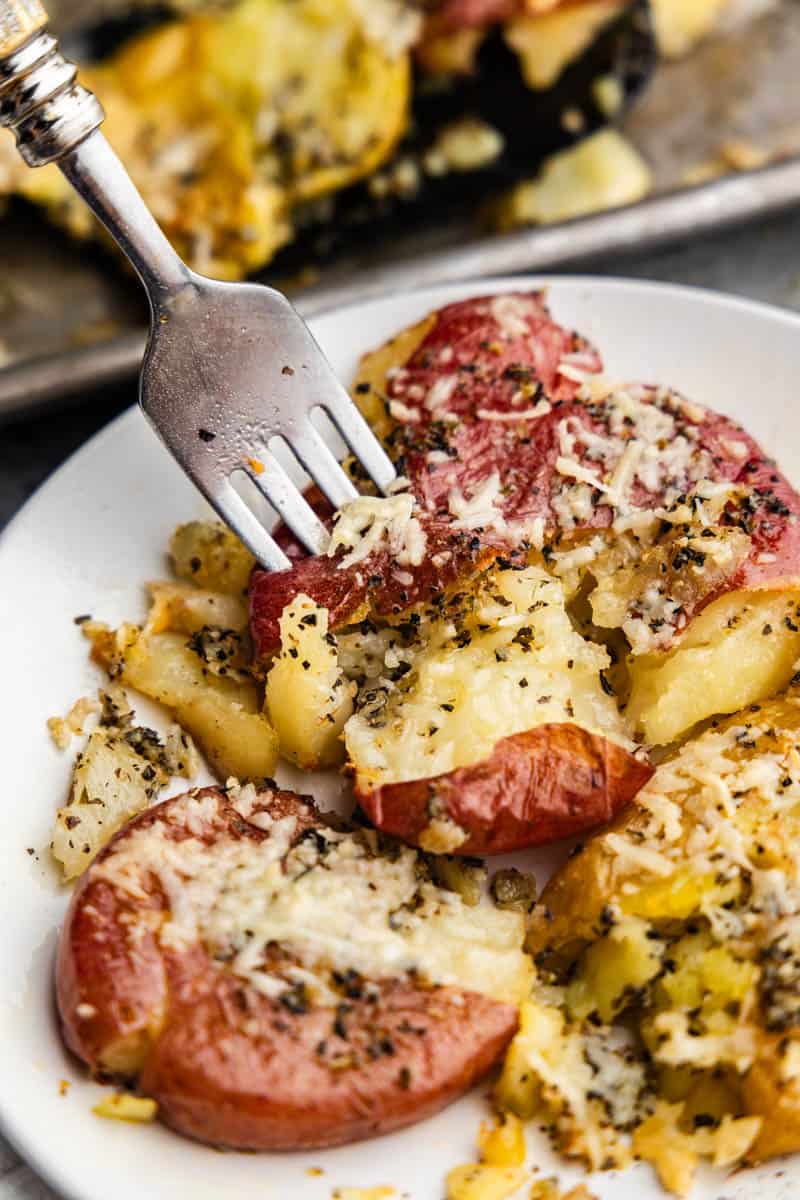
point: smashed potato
(668, 952)
(505, 661)
(119, 772)
(759, 632)
(208, 555)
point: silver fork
(228, 367)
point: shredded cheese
(369, 523)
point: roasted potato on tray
(574, 561)
(273, 980)
(668, 959)
(229, 118)
(258, 123)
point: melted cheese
(331, 900)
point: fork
(229, 368)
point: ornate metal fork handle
(229, 368)
(55, 119)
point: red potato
(493, 389)
(369, 588)
(449, 16)
(491, 363)
(496, 348)
(536, 787)
(227, 1063)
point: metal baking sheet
(71, 319)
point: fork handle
(56, 119)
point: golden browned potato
(547, 42)
(119, 771)
(229, 118)
(680, 924)
(199, 681)
(308, 699)
(759, 632)
(184, 608)
(208, 555)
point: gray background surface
(761, 262)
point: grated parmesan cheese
(525, 414)
(332, 900)
(481, 510)
(513, 314)
(368, 523)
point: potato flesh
(480, 1181)
(624, 959)
(108, 788)
(182, 608)
(207, 555)
(462, 699)
(307, 699)
(707, 863)
(738, 651)
(222, 715)
(604, 171)
(122, 1106)
(546, 43)
(503, 1143)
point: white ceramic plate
(84, 544)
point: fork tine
(360, 438)
(321, 464)
(274, 483)
(234, 512)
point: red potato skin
(232, 1068)
(452, 15)
(371, 588)
(217, 1084)
(525, 454)
(449, 16)
(490, 366)
(536, 787)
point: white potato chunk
(222, 714)
(184, 608)
(308, 699)
(111, 783)
(208, 555)
(122, 767)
